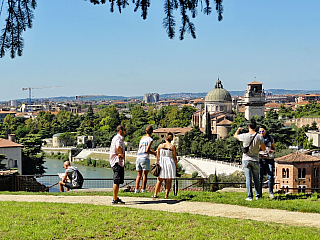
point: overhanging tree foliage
(2, 157)
(20, 17)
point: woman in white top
(143, 161)
(167, 158)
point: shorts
(118, 174)
(142, 163)
(70, 186)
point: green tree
(314, 126)
(208, 131)
(272, 114)
(20, 17)
(2, 157)
(32, 156)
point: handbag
(155, 169)
(246, 149)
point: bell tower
(254, 100)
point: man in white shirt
(117, 158)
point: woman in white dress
(167, 158)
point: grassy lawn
(22, 220)
(294, 202)
(105, 156)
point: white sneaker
(143, 190)
(248, 199)
(136, 191)
(258, 198)
(271, 195)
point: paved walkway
(211, 166)
(209, 209)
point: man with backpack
(72, 178)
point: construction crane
(81, 97)
(30, 89)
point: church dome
(218, 94)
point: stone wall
(299, 122)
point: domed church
(218, 105)
(218, 99)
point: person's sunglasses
(261, 131)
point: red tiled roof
(181, 131)
(297, 157)
(224, 122)
(254, 82)
(4, 143)
(8, 112)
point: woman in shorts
(143, 161)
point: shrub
(88, 161)
(94, 163)
(195, 174)
(129, 166)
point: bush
(129, 166)
(94, 163)
(195, 174)
(65, 157)
(88, 161)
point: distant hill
(170, 95)
(236, 93)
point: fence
(38, 183)
(299, 190)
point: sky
(84, 49)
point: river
(55, 166)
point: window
(10, 163)
(285, 173)
(315, 172)
(15, 164)
(301, 173)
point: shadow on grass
(154, 201)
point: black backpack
(79, 178)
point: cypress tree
(208, 132)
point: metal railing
(285, 190)
(49, 183)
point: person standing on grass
(117, 158)
(72, 178)
(167, 158)
(266, 159)
(250, 160)
(143, 161)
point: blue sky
(87, 50)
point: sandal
(154, 196)
(166, 196)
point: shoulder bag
(246, 149)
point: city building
(162, 133)
(3, 114)
(298, 171)
(254, 100)
(315, 136)
(13, 152)
(151, 97)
